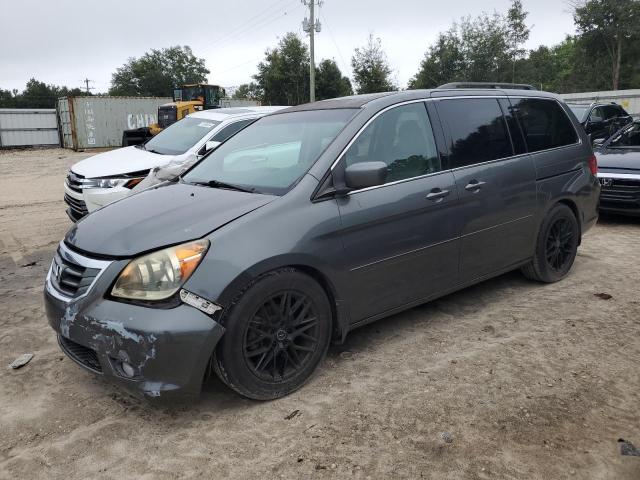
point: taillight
(593, 165)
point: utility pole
(86, 82)
(312, 26)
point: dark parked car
(619, 171)
(600, 120)
(314, 221)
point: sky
(62, 42)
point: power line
(345, 65)
(257, 22)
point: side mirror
(365, 174)
(210, 145)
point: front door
(400, 238)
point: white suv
(110, 176)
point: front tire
(556, 246)
(277, 333)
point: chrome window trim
(83, 262)
(431, 99)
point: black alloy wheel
(282, 336)
(560, 244)
(556, 246)
(278, 330)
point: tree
(518, 33)
(36, 95)
(444, 62)
(371, 70)
(330, 83)
(609, 24)
(475, 49)
(283, 75)
(248, 91)
(156, 73)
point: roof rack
(511, 86)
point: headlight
(111, 182)
(160, 274)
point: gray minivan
(316, 220)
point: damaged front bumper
(152, 352)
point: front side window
(272, 154)
(181, 136)
(628, 137)
(544, 123)
(403, 139)
(477, 130)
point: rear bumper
(168, 349)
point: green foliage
(605, 54)
(156, 73)
(283, 75)
(518, 33)
(330, 83)
(36, 95)
(248, 91)
(371, 71)
(608, 27)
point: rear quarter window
(544, 123)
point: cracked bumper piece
(150, 352)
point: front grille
(74, 181)
(621, 193)
(78, 207)
(69, 278)
(85, 356)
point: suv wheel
(277, 333)
(556, 246)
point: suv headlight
(111, 182)
(160, 274)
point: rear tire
(277, 332)
(556, 246)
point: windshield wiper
(229, 186)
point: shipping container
(23, 127)
(628, 99)
(98, 122)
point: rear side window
(544, 123)
(477, 130)
(614, 111)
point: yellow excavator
(186, 99)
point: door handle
(474, 186)
(436, 194)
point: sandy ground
(508, 379)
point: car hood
(618, 158)
(119, 161)
(159, 217)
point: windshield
(627, 137)
(580, 111)
(271, 155)
(181, 136)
